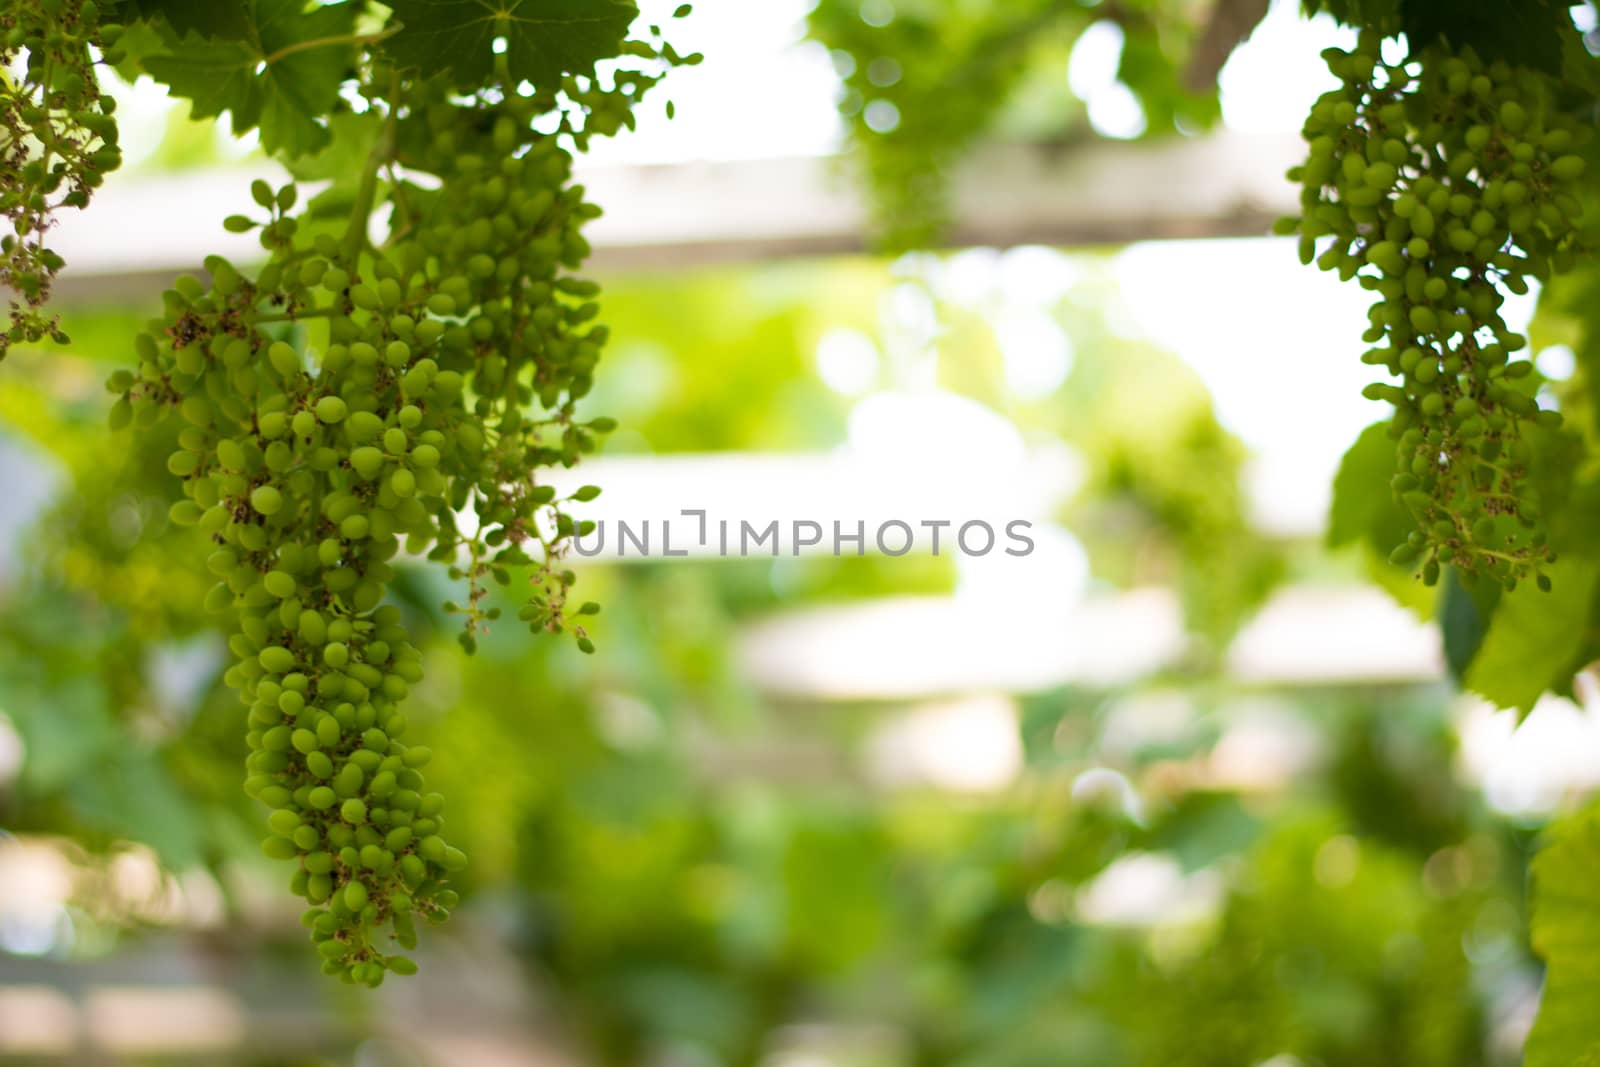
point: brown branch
(1231, 22)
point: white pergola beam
(139, 231)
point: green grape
(1438, 191)
(331, 409)
(435, 374)
(58, 141)
(329, 664)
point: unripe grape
(276, 659)
(275, 796)
(266, 500)
(284, 359)
(279, 584)
(1451, 148)
(1568, 168)
(328, 732)
(412, 868)
(279, 848)
(348, 781)
(283, 822)
(363, 426)
(366, 461)
(381, 441)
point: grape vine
(346, 401)
(58, 141)
(1440, 183)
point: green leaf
(1525, 32)
(1364, 511)
(216, 77)
(1566, 933)
(1522, 32)
(227, 20)
(544, 38)
(283, 76)
(77, 751)
(351, 139)
(130, 795)
(1533, 637)
(1379, 14)
(833, 880)
(1464, 618)
(65, 729)
(1364, 507)
(1569, 314)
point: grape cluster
(346, 404)
(1440, 184)
(58, 140)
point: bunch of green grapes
(1440, 184)
(346, 404)
(505, 224)
(57, 143)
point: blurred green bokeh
(672, 865)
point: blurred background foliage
(680, 868)
(923, 81)
(676, 867)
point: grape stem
(295, 316)
(324, 42)
(355, 234)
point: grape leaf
(1464, 616)
(353, 136)
(1363, 506)
(223, 19)
(1569, 314)
(282, 76)
(1522, 32)
(78, 752)
(1379, 14)
(129, 794)
(1566, 933)
(1534, 636)
(1364, 511)
(544, 38)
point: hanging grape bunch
(1440, 185)
(57, 143)
(313, 465)
(349, 402)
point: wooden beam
(140, 231)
